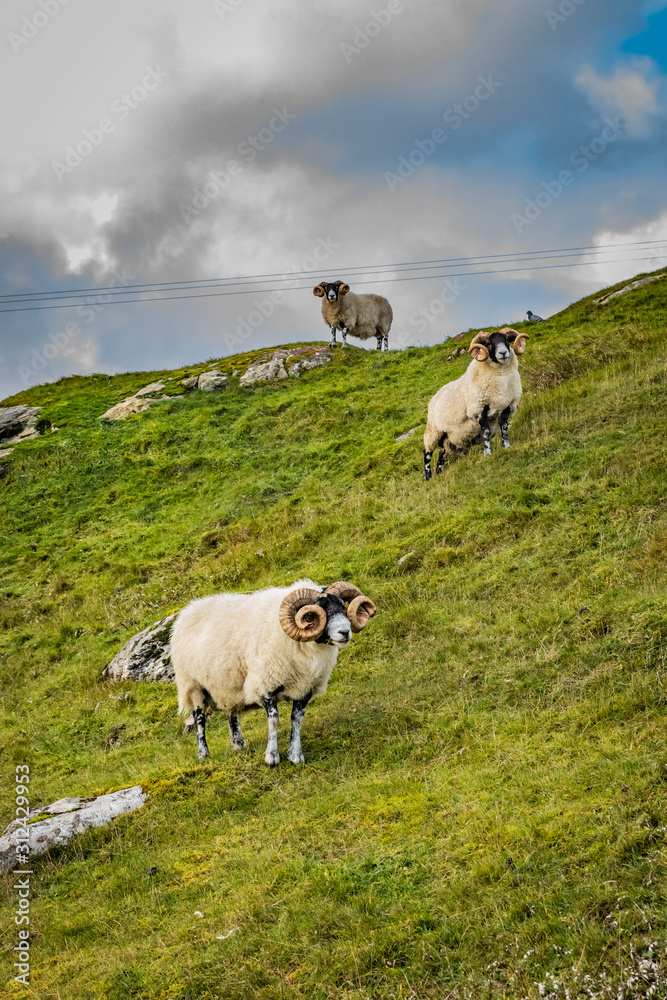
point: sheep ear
(343, 289)
(319, 290)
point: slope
(484, 796)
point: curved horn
(346, 591)
(361, 608)
(479, 351)
(516, 339)
(360, 612)
(300, 617)
(319, 290)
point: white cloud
(628, 92)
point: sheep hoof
(296, 758)
(203, 753)
(272, 758)
(238, 744)
(506, 444)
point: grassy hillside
(482, 811)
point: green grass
(484, 798)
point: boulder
(125, 409)
(65, 818)
(212, 381)
(146, 656)
(307, 364)
(134, 404)
(149, 390)
(18, 423)
(268, 372)
(190, 383)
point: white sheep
(361, 316)
(231, 652)
(482, 400)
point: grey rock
(146, 656)
(212, 381)
(134, 404)
(125, 409)
(307, 364)
(268, 372)
(602, 301)
(18, 423)
(67, 818)
(149, 390)
(190, 383)
(404, 437)
(5, 452)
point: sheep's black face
(337, 630)
(331, 290)
(499, 348)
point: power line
(478, 260)
(372, 270)
(380, 281)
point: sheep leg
(504, 425)
(343, 333)
(200, 725)
(270, 705)
(379, 341)
(486, 430)
(386, 341)
(235, 733)
(441, 455)
(294, 754)
(427, 464)
(333, 337)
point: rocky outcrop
(307, 364)
(18, 423)
(267, 372)
(140, 401)
(63, 820)
(125, 409)
(602, 301)
(212, 381)
(146, 656)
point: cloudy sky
(159, 141)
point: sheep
(232, 652)
(484, 398)
(361, 316)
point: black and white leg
(235, 733)
(200, 726)
(379, 341)
(386, 341)
(294, 753)
(427, 464)
(486, 430)
(504, 426)
(333, 337)
(441, 455)
(344, 335)
(270, 704)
